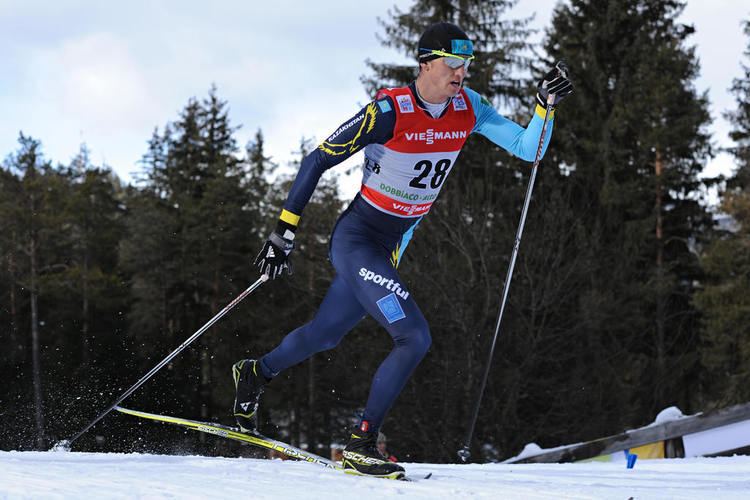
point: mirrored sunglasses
(452, 60)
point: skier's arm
(373, 124)
(507, 134)
(521, 142)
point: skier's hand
(554, 82)
(274, 257)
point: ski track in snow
(70, 475)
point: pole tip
(63, 446)
(464, 454)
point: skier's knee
(416, 340)
(422, 342)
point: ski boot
(248, 383)
(361, 456)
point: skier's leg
(411, 343)
(376, 284)
(337, 314)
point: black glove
(554, 82)
(274, 257)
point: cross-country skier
(411, 137)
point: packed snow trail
(101, 475)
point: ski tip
(428, 476)
(396, 476)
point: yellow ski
(255, 439)
(233, 433)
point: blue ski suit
(408, 155)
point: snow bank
(115, 476)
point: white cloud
(94, 79)
(108, 74)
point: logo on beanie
(464, 47)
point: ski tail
(255, 439)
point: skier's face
(444, 81)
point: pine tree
(725, 300)
(14, 304)
(147, 253)
(740, 118)
(32, 241)
(226, 231)
(94, 215)
(633, 145)
(10, 195)
(193, 230)
(259, 169)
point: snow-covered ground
(96, 475)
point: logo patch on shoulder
(390, 308)
(384, 105)
(459, 104)
(405, 103)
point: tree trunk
(660, 306)
(327, 430)
(15, 344)
(35, 354)
(207, 348)
(85, 347)
(205, 392)
(294, 424)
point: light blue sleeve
(519, 141)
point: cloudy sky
(106, 73)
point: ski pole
(65, 443)
(464, 453)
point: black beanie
(446, 37)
